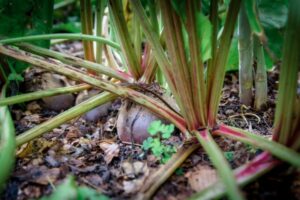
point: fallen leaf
(48, 176)
(73, 132)
(33, 107)
(25, 150)
(39, 174)
(110, 149)
(85, 169)
(34, 118)
(133, 186)
(110, 125)
(94, 179)
(201, 177)
(133, 170)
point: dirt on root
(93, 153)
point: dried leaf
(201, 177)
(135, 168)
(24, 150)
(47, 176)
(132, 170)
(110, 149)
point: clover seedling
(159, 131)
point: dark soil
(93, 153)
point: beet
(96, 113)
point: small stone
(229, 112)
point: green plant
(178, 52)
(29, 18)
(229, 155)
(7, 142)
(68, 190)
(158, 132)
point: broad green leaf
(273, 17)
(273, 13)
(204, 31)
(233, 57)
(20, 18)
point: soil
(93, 153)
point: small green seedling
(229, 155)
(159, 131)
(70, 190)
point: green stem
(7, 143)
(87, 28)
(70, 36)
(180, 67)
(215, 82)
(137, 39)
(164, 172)
(100, 6)
(134, 67)
(288, 77)
(245, 46)
(261, 81)
(219, 161)
(78, 62)
(196, 72)
(214, 20)
(153, 39)
(63, 4)
(66, 116)
(41, 94)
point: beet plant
(159, 132)
(183, 52)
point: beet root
(96, 113)
(133, 122)
(40, 80)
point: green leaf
(157, 147)
(154, 127)
(179, 171)
(20, 18)
(273, 17)
(204, 31)
(15, 77)
(229, 155)
(167, 131)
(233, 57)
(147, 144)
(168, 151)
(68, 190)
(85, 193)
(165, 158)
(273, 13)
